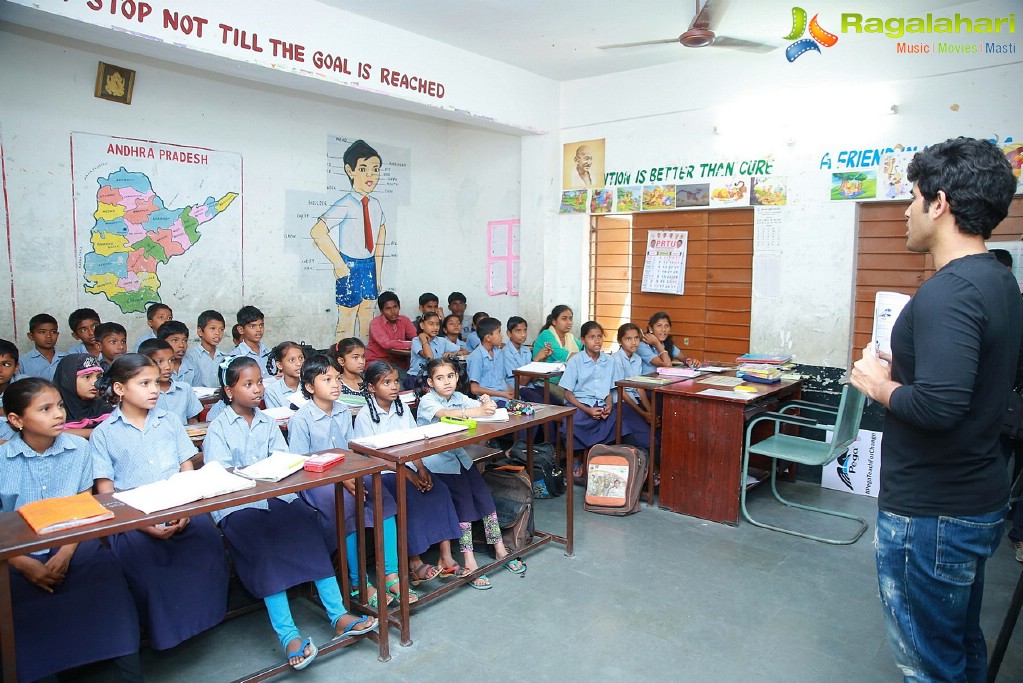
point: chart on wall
(155, 222)
(347, 236)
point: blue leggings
(280, 612)
(390, 550)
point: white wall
(667, 115)
(462, 177)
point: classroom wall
(668, 115)
(462, 176)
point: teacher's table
(408, 452)
(702, 441)
(17, 538)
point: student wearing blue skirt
(177, 570)
(430, 514)
(324, 423)
(275, 544)
(588, 383)
(72, 605)
(469, 493)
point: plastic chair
(843, 422)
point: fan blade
(665, 41)
(710, 14)
(740, 44)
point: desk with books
(17, 538)
(401, 454)
(702, 433)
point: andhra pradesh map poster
(155, 222)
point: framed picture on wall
(114, 83)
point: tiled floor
(651, 597)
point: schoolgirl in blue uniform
(350, 354)
(72, 605)
(324, 423)
(176, 397)
(286, 364)
(274, 544)
(177, 570)
(657, 350)
(588, 382)
(469, 493)
(430, 514)
(637, 403)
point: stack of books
(759, 372)
(764, 358)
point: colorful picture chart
(664, 270)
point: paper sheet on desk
(721, 381)
(543, 368)
(500, 415)
(204, 392)
(726, 394)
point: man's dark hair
(104, 330)
(40, 319)
(385, 298)
(171, 327)
(248, 314)
(359, 150)
(487, 326)
(456, 296)
(427, 297)
(156, 308)
(1003, 256)
(975, 176)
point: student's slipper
(396, 594)
(350, 630)
(300, 652)
(448, 572)
(374, 600)
(481, 586)
(516, 566)
(424, 572)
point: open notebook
(184, 487)
(401, 436)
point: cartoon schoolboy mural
(351, 235)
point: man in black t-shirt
(955, 353)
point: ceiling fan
(701, 32)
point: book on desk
(50, 515)
(184, 487)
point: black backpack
(548, 477)
(513, 499)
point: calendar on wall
(664, 269)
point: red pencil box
(324, 461)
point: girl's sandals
(423, 572)
(374, 600)
(455, 570)
(481, 583)
(412, 595)
(515, 566)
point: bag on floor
(615, 476)
(548, 477)
(513, 497)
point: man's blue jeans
(930, 572)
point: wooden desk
(528, 377)
(627, 383)
(17, 538)
(404, 453)
(701, 445)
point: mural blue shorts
(360, 284)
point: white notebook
(400, 436)
(274, 468)
(184, 487)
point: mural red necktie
(365, 224)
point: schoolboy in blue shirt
(113, 342)
(251, 321)
(472, 340)
(456, 306)
(42, 360)
(515, 353)
(175, 333)
(175, 397)
(82, 322)
(486, 364)
(205, 357)
(8, 366)
(156, 315)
